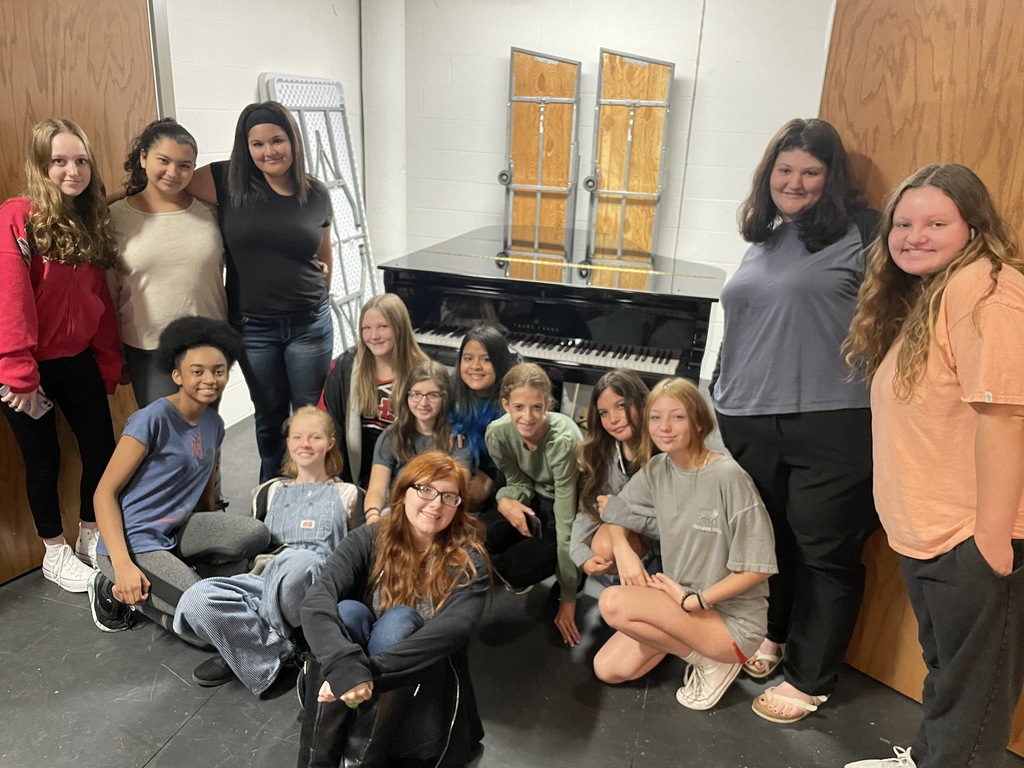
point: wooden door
(908, 83)
(90, 61)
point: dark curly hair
(187, 333)
(157, 131)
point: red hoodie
(49, 309)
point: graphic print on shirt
(707, 521)
(385, 415)
(196, 445)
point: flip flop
(769, 662)
(761, 705)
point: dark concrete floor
(71, 695)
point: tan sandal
(761, 706)
(768, 662)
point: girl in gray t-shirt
(709, 606)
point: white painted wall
(742, 69)
(218, 50)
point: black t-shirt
(272, 269)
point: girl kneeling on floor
(162, 469)
(709, 606)
(250, 619)
(389, 620)
(615, 448)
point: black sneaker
(213, 672)
(108, 613)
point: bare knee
(607, 669)
(611, 605)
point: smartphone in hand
(43, 403)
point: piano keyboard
(573, 352)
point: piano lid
(482, 253)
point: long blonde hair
(71, 230)
(404, 576)
(407, 352)
(892, 302)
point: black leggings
(522, 560)
(75, 384)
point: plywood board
(541, 150)
(629, 153)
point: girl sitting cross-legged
(709, 606)
(250, 619)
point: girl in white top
(171, 251)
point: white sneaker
(63, 568)
(85, 547)
(705, 681)
(902, 760)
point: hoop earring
(974, 233)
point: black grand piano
(577, 319)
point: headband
(262, 115)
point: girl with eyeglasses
(389, 620)
(421, 424)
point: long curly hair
(403, 432)
(71, 230)
(891, 302)
(404, 576)
(333, 463)
(597, 449)
(472, 411)
(827, 221)
(407, 352)
(151, 135)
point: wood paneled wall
(908, 83)
(91, 61)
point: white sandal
(761, 705)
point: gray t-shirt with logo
(711, 522)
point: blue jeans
(285, 364)
(377, 635)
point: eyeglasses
(434, 397)
(428, 493)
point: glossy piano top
(483, 254)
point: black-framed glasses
(428, 493)
(415, 397)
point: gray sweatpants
(208, 540)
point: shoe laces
(902, 759)
(695, 681)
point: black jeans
(971, 627)
(522, 560)
(75, 384)
(813, 471)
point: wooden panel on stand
(908, 83)
(541, 155)
(90, 61)
(629, 153)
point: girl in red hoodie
(59, 340)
